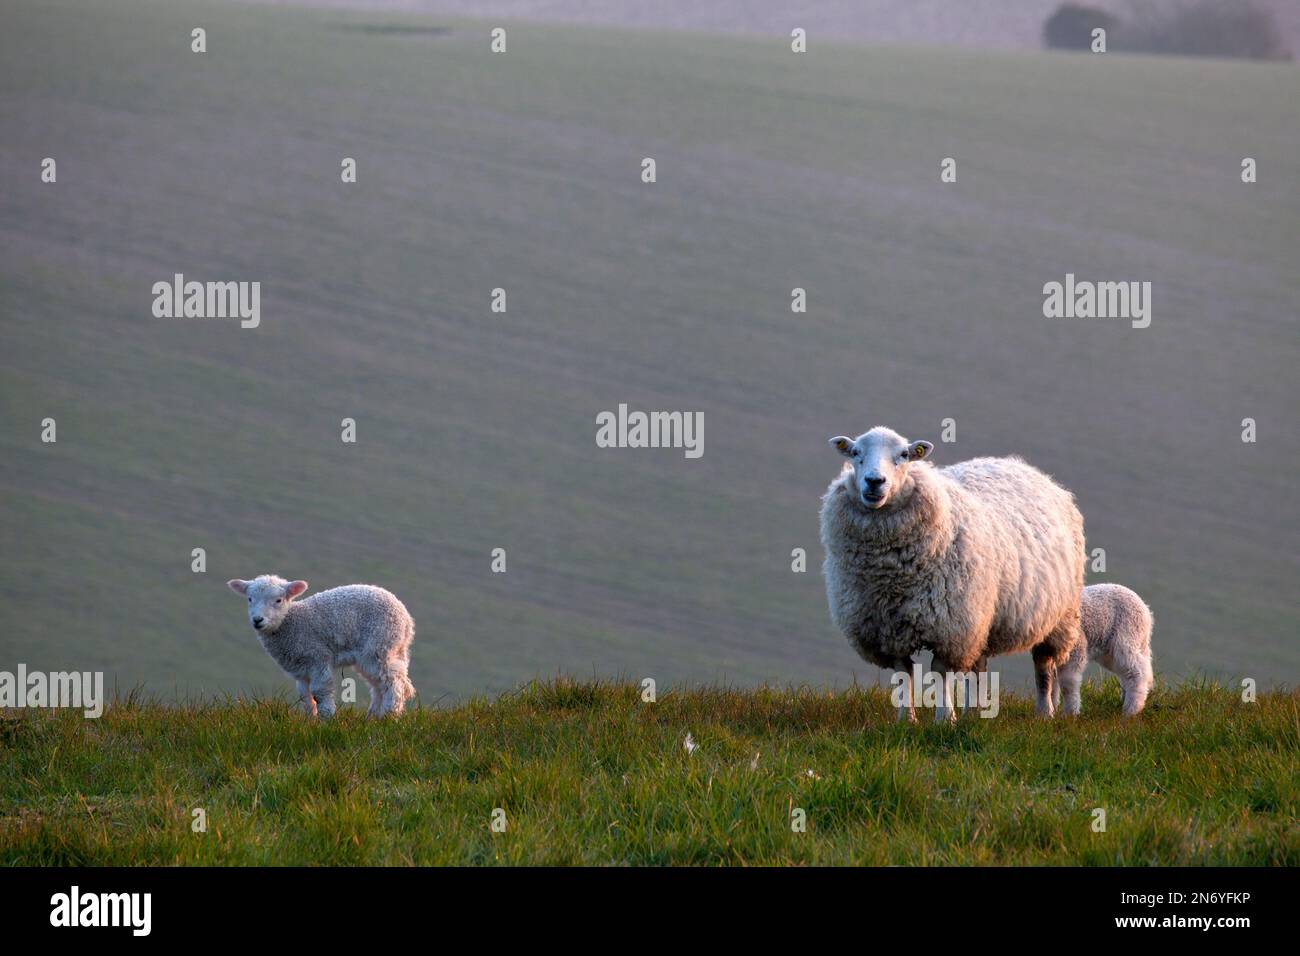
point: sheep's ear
(238, 586)
(843, 445)
(918, 450)
(295, 588)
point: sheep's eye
(250, 600)
(277, 600)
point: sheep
(1117, 629)
(358, 624)
(980, 558)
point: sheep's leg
(946, 711)
(1044, 679)
(907, 709)
(942, 708)
(305, 699)
(322, 688)
(969, 699)
(1053, 654)
(981, 672)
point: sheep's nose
(874, 484)
(257, 621)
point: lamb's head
(880, 458)
(268, 599)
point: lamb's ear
(843, 445)
(238, 586)
(294, 589)
(918, 450)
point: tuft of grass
(587, 772)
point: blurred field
(980, 24)
(476, 430)
(587, 773)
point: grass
(587, 773)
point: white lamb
(1117, 625)
(358, 625)
(978, 559)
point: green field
(476, 429)
(588, 773)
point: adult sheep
(980, 558)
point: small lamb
(358, 624)
(1117, 625)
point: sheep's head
(268, 599)
(880, 458)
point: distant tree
(1071, 26)
(1231, 28)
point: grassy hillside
(588, 773)
(476, 430)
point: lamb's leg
(1135, 679)
(397, 688)
(305, 699)
(372, 672)
(322, 688)
(1069, 678)
(365, 669)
